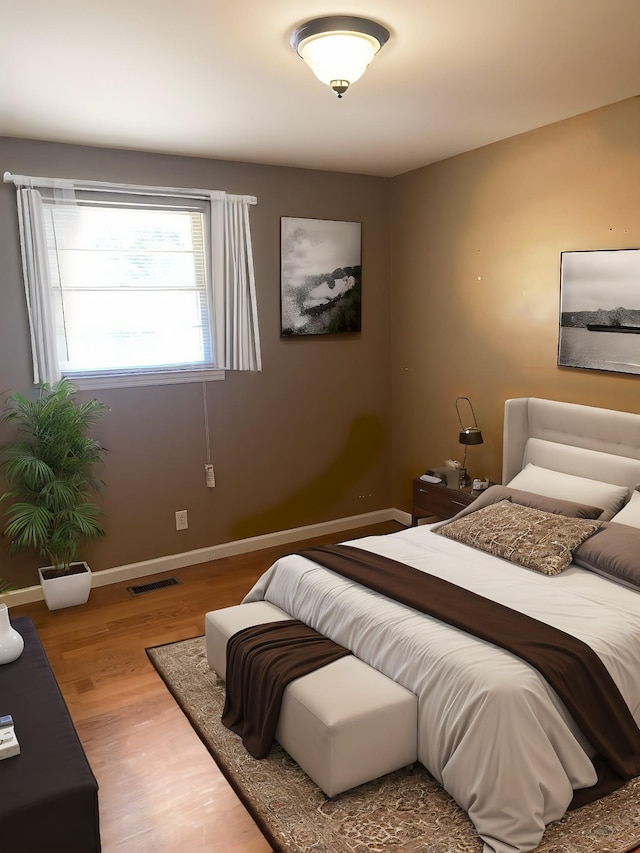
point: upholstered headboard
(601, 444)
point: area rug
(404, 812)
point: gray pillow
(558, 506)
(614, 551)
(630, 512)
(542, 541)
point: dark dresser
(48, 793)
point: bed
(491, 729)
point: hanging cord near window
(209, 475)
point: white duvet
(491, 730)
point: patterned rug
(404, 812)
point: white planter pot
(68, 590)
(11, 643)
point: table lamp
(468, 436)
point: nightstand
(435, 499)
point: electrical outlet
(182, 520)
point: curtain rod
(106, 186)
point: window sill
(86, 382)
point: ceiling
(218, 78)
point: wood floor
(160, 790)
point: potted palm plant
(49, 471)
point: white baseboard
(142, 569)
(401, 517)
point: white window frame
(235, 347)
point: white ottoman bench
(344, 724)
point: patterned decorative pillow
(538, 540)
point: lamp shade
(471, 435)
(338, 48)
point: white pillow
(630, 514)
(555, 484)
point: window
(132, 286)
(129, 287)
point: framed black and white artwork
(320, 276)
(600, 310)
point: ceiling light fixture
(338, 48)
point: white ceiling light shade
(338, 48)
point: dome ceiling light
(338, 48)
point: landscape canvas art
(320, 288)
(600, 310)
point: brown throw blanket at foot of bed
(261, 661)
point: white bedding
(491, 730)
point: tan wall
(476, 243)
(305, 441)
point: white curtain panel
(241, 346)
(37, 286)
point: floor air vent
(150, 587)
